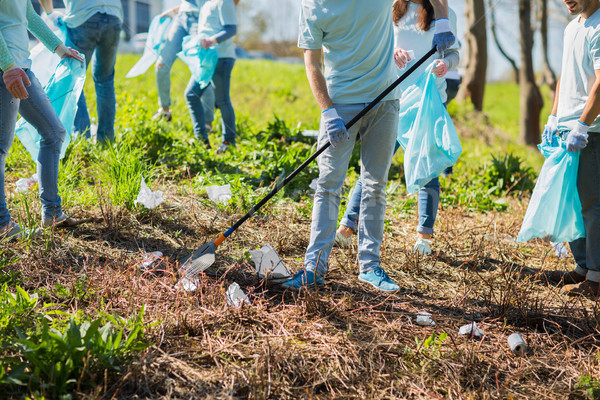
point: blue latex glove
(334, 126)
(550, 130)
(443, 37)
(578, 137)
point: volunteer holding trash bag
(216, 26)
(414, 29)
(93, 27)
(357, 39)
(21, 93)
(575, 116)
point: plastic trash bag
(147, 197)
(219, 194)
(43, 61)
(268, 264)
(63, 90)
(201, 62)
(156, 34)
(236, 296)
(426, 133)
(554, 210)
(25, 184)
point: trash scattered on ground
(471, 329)
(310, 133)
(147, 197)
(505, 239)
(219, 194)
(151, 260)
(313, 184)
(560, 250)
(268, 264)
(25, 184)
(236, 296)
(187, 284)
(424, 319)
(517, 344)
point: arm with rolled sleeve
(38, 27)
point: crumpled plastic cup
(424, 319)
(187, 284)
(219, 194)
(471, 329)
(269, 265)
(147, 197)
(236, 296)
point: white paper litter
(24, 184)
(471, 329)
(187, 284)
(560, 250)
(219, 194)
(269, 265)
(151, 258)
(313, 184)
(236, 296)
(424, 319)
(147, 197)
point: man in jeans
(358, 42)
(93, 26)
(575, 114)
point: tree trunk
(512, 62)
(548, 76)
(531, 98)
(473, 85)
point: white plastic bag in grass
(147, 197)
(187, 284)
(471, 329)
(424, 319)
(236, 296)
(219, 194)
(25, 184)
(269, 265)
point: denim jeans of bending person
(221, 82)
(38, 111)
(183, 25)
(427, 205)
(377, 131)
(586, 251)
(98, 36)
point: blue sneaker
(304, 279)
(379, 279)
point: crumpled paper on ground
(236, 296)
(219, 194)
(147, 197)
(471, 329)
(188, 285)
(25, 184)
(269, 265)
(424, 319)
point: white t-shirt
(188, 6)
(79, 11)
(581, 56)
(408, 36)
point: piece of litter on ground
(151, 258)
(187, 284)
(424, 319)
(517, 344)
(219, 194)
(147, 197)
(24, 184)
(236, 296)
(471, 329)
(268, 264)
(560, 250)
(310, 133)
(313, 184)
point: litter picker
(204, 257)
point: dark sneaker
(586, 288)
(166, 115)
(63, 220)
(224, 147)
(12, 230)
(566, 277)
(207, 144)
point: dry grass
(344, 340)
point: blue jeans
(184, 24)
(427, 206)
(586, 251)
(377, 130)
(99, 35)
(38, 111)
(193, 95)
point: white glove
(578, 137)
(334, 126)
(550, 129)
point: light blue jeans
(193, 95)
(38, 111)
(183, 24)
(427, 205)
(586, 251)
(99, 35)
(377, 130)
